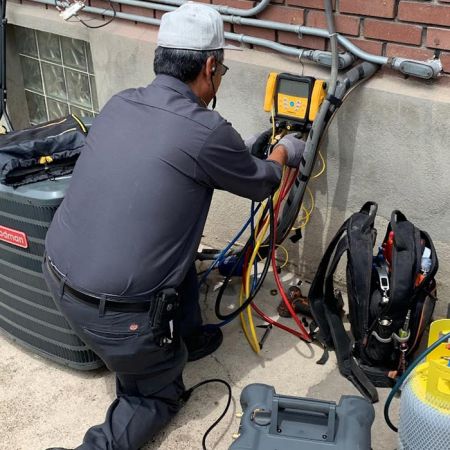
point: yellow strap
(45, 159)
(79, 122)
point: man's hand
(293, 149)
(257, 144)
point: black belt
(112, 305)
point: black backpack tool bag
(391, 298)
(43, 151)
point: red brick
(405, 51)
(424, 13)
(159, 14)
(316, 4)
(100, 4)
(377, 8)
(314, 42)
(255, 32)
(138, 11)
(239, 4)
(104, 6)
(445, 60)
(344, 24)
(394, 32)
(438, 38)
(230, 42)
(227, 27)
(293, 16)
(373, 47)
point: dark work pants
(148, 378)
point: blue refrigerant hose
(402, 379)
(221, 256)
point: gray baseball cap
(193, 26)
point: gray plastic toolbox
(277, 422)
(28, 314)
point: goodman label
(13, 237)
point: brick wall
(414, 29)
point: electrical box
(294, 100)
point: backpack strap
(355, 232)
(406, 257)
(316, 294)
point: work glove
(258, 144)
(294, 148)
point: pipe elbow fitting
(421, 69)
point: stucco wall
(388, 143)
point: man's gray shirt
(134, 213)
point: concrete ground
(43, 404)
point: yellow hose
(248, 327)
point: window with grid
(58, 75)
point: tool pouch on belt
(390, 298)
(165, 317)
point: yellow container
(425, 403)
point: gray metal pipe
(334, 49)
(295, 199)
(300, 30)
(110, 13)
(224, 9)
(321, 57)
(147, 5)
(291, 51)
(421, 69)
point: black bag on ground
(391, 298)
(43, 151)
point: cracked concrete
(43, 404)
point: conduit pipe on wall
(295, 199)
(421, 69)
(224, 9)
(321, 57)
(318, 56)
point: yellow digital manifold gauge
(294, 99)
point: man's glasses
(223, 68)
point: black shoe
(203, 342)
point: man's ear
(210, 66)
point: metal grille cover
(28, 313)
